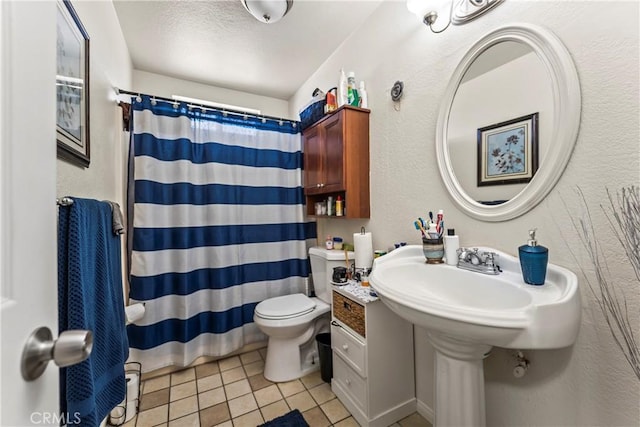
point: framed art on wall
(508, 151)
(72, 86)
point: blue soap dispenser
(533, 260)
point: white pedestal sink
(467, 313)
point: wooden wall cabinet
(336, 161)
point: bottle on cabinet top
(352, 92)
(364, 98)
(342, 89)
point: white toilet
(292, 321)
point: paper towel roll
(134, 312)
(363, 246)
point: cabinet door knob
(347, 381)
(318, 185)
(345, 347)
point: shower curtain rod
(208, 107)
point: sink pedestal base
(459, 382)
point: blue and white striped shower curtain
(218, 226)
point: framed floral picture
(508, 151)
(72, 86)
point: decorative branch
(623, 214)
(628, 221)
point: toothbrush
(439, 220)
(424, 224)
(419, 227)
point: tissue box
(312, 112)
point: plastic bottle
(332, 101)
(352, 92)
(364, 99)
(451, 245)
(364, 279)
(337, 243)
(329, 243)
(330, 206)
(339, 211)
(342, 89)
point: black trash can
(326, 356)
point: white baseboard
(425, 410)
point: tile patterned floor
(233, 392)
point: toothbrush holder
(433, 250)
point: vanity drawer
(350, 382)
(350, 313)
(350, 349)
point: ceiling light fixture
(267, 11)
(460, 11)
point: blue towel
(90, 297)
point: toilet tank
(322, 263)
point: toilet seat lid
(285, 307)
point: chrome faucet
(483, 262)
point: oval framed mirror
(508, 122)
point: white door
(28, 266)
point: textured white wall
(110, 66)
(159, 85)
(589, 383)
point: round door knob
(345, 347)
(70, 348)
(318, 185)
(347, 381)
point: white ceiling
(217, 42)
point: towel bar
(64, 201)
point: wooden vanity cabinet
(336, 161)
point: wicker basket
(312, 112)
(350, 313)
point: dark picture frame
(72, 87)
(508, 151)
